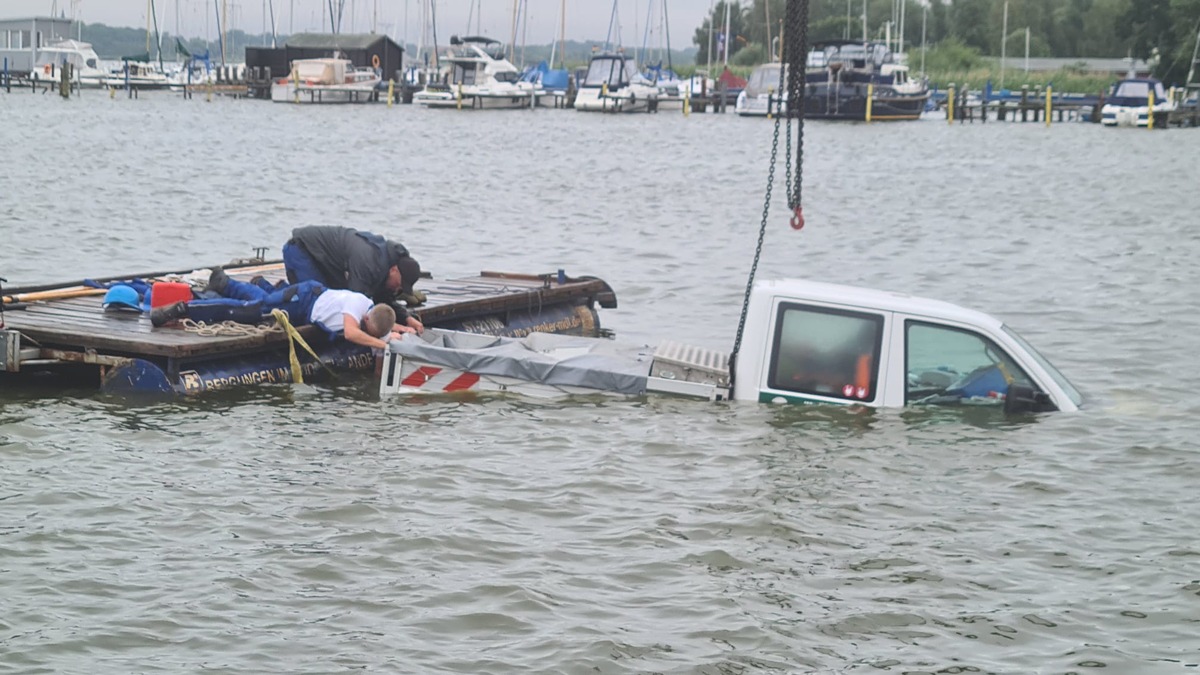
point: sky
(586, 20)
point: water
(317, 529)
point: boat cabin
(613, 70)
(1136, 92)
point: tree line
(1163, 32)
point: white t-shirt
(329, 307)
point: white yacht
(326, 80)
(613, 84)
(477, 76)
(80, 55)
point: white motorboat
(762, 95)
(478, 77)
(84, 61)
(136, 75)
(326, 80)
(1131, 101)
(613, 84)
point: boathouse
(20, 39)
(365, 50)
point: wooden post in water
(1024, 102)
(1049, 104)
(950, 103)
(7, 77)
(721, 89)
(296, 82)
(64, 81)
(870, 96)
(391, 91)
(1150, 110)
(1000, 110)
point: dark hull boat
(843, 75)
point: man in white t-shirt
(338, 312)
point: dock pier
(60, 334)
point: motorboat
(840, 74)
(612, 84)
(1131, 101)
(762, 95)
(326, 80)
(84, 62)
(139, 75)
(478, 77)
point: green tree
(714, 28)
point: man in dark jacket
(364, 262)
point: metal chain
(797, 63)
(797, 24)
(762, 231)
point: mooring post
(950, 103)
(1150, 110)
(870, 97)
(7, 77)
(1024, 102)
(1049, 103)
(391, 91)
(721, 89)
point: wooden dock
(63, 330)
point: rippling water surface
(319, 529)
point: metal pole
(1003, 43)
(712, 19)
(924, 21)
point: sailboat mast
(727, 32)
(667, 30)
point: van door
(949, 364)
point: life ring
(375, 61)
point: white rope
(228, 328)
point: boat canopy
(764, 79)
(611, 69)
(1136, 92)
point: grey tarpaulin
(546, 358)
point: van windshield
(1058, 377)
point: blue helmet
(121, 296)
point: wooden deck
(80, 324)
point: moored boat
(613, 84)
(1133, 100)
(478, 77)
(326, 80)
(843, 75)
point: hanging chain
(795, 56)
(796, 60)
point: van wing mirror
(1023, 398)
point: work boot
(161, 316)
(218, 281)
(414, 299)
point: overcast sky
(586, 19)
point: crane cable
(791, 81)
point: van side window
(952, 365)
(826, 352)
